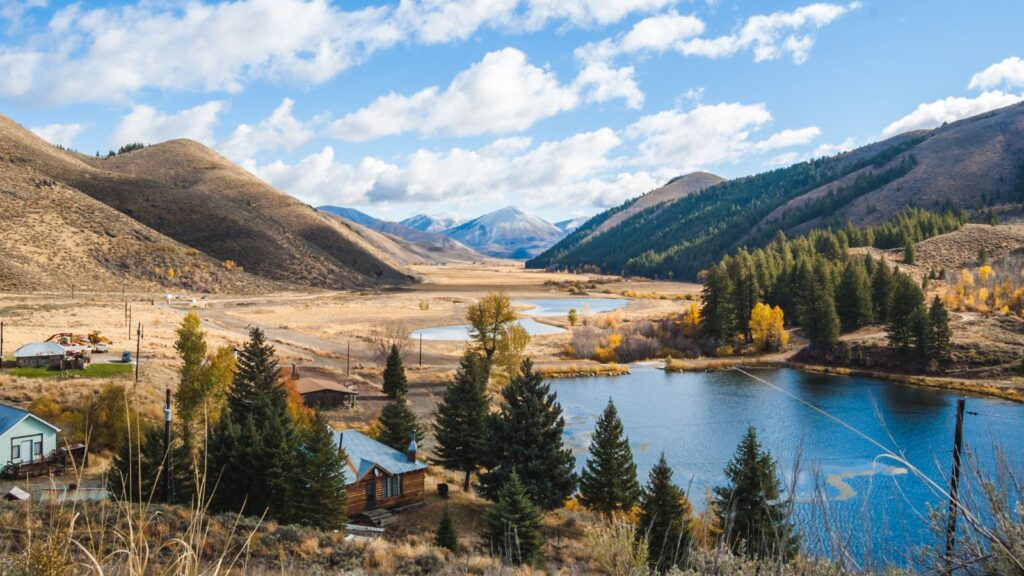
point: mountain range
(975, 165)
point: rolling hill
(970, 164)
(507, 233)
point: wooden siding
(412, 493)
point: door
(24, 451)
(371, 494)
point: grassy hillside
(971, 164)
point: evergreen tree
(818, 310)
(881, 291)
(398, 426)
(853, 296)
(751, 505)
(395, 383)
(253, 449)
(904, 303)
(939, 333)
(525, 438)
(908, 253)
(137, 470)
(718, 319)
(917, 324)
(664, 519)
(446, 536)
(608, 482)
(745, 293)
(321, 477)
(461, 424)
(512, 525)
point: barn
(39, 355)
(378, 476)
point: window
(392, 486)
(16, 452)
(37, 448)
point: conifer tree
(525, 437)
(446, 536)
(908, 253)
(137, 471)
(664, 519)
(818, 309)
(939, 333)
(512, 524)
(395, 382)
(398, 426)
(751, 504)
(881, 291)
(904, 303)
(718, 319)
(321, 477)
(461, 423)
(853, 296)
(745, 291)
(608, 482)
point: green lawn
(93, 371)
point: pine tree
(446, 536)
(881, 291)
(745, 293)
(608, 482)
(254, 446)
(512, 525)
(321, 476)
(817, 309)
(395, 382)
(664, 519)
(461, 424)
(908, 253)
(525, 437)
(398, 426)
(751, 504)
(939, 333)
(905, 301)
(853, 296)
(718, 319)
(137, 471)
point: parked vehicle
(101, 348)
(126, 357)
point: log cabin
(322, 393)
(378, 476)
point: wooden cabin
(322, 393)
(378, 476)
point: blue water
(460, 332)
(697, 419)
(561, 306)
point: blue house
(24, 437)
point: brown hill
(54, 237)
(405, 252)
(190, 193)
(674, 190)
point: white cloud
(501, 93)
(932, 114)
(1009, 74)
(599, 82)
(831, 149)
(279, 131)
(787, 138)
(147, 125)
(110, 53)
(62, 134)
(659, 33)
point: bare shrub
(386, 335)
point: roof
(39, 349)
(307, 385)
(364, 453)
(11, 417)
(16, 494)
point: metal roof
(11, 416)
(39, 349)
(364, 453)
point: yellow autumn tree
(767, 327)
(691, 321)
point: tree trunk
(465, 482)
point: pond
(697, 419)
(460, 332)
(561, 306)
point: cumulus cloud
(932, 114)
(501, 93)
(787, 138)
(61, 134)
(112, 52)
(147, 125)
(1008, 74)
(599, 82)
(279, 131)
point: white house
(24, 437)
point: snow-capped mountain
(433, 223)
(567, 226)
(507, 233)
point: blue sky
(560, 107)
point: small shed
(321, 392)
(378, 476)
(39, 355)
(24, 437)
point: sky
(560, 107)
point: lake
(460, 332)
(561, 306)
(697, 419)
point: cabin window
(16, 452)
(37, 448)
(392, 486)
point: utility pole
(1, 344)
(167, 444)
(421, 350)
(72, 291)
(348, 359)
(129, 323)
(954, 483)
(138, 351)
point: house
(322, 393)
(378, 476)
(39, 355)
(24, 437)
